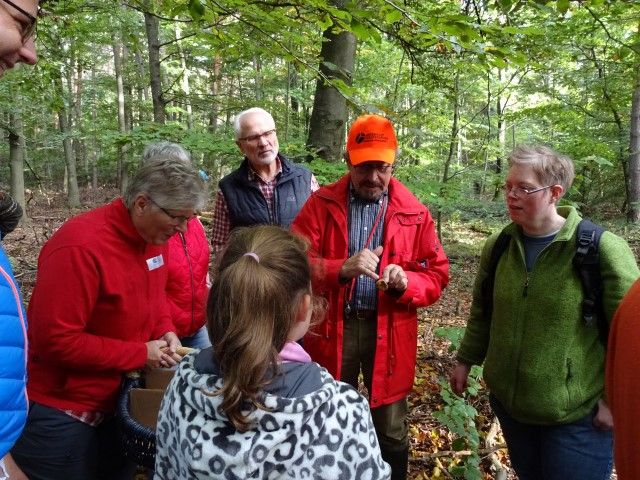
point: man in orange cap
(376, 258)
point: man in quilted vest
(267, 188)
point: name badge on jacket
(155, 262)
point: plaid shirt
(222, 224)
(92, 419)
(362, 216)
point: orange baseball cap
(372, 139)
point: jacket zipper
(191, 281)
(273, 216)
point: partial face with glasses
(258, 139)
(157, 224)
(370, 179)
(530, 201)
(17, 29)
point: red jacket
(409, 241)
(98, 298)
(623, 388)
(187, 285)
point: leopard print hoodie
(326, 434)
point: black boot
(399, 461)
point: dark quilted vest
(247, 205)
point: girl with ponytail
(254, 405)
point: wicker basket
(138, 441)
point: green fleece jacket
(540, 360)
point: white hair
(164, 149)
(237, 122)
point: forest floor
(436, 452)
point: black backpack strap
(587, 263)
(501, 244)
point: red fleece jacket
(410, 241)
(187, 289)
(98, 298)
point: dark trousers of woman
(56, 446)
(572, 451)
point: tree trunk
(122, 126)
(633, 214)
(142, 88)
(94, 137)
(16, 158)
(329, 116)
(73, 194)
(211, 160)
(293, 84)
(153, 42)
(215, 92)
(75, 85)
(257, 67)
(502, 129)
(185, 80)
(453, 143)
(501, 105)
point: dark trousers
(358, 353)
(573, 451)
(55, 446)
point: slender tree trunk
(75, 85)
(70, 161)
(185, 80)
(16, 158)
(64, 123)
(142, 89)
(453, 139)
(94, 136)
(287, 108)
(257, 67)
(502, 129)
(502, 135)
(293, 85)
(329, 115)
(453, 142)
(210, 160)
(127, 88)
(155, 73)
(73, 194)
(122, 126)
(215, 92)
(633, 213)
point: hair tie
(252, 254)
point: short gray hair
(237, 122)
(171, 184)
(551, 167)
(165, 149)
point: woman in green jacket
(544, 367)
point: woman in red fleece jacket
(188, 264)
(98, 310)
